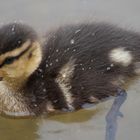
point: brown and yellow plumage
(77, 64)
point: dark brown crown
(13, 35)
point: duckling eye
(9, 60)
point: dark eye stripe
(10, 60)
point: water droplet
(13, 28)
(19, 41)
(44, 90)
(89, 68)
(77, 31)
(83, 68)
(91, 60)
(40, 70)
(108, 68)
(50, 64)
(55, 101)
(35, 105)
(112, 65)
(56, 60)
(93, 34)
(68, 49)
(47, 65)
(72, 41)
(81, 64)
(63, 75)
(57, 50)
(74, 50)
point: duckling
(75, 65)
(83, 64)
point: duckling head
(20, 51)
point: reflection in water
(53, 125)
(75, 117)
(18, 129)
(78, 125)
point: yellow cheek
(16, 69)
(2, 73)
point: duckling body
(77, 64)
(83, 64)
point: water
(44, 15)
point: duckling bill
(77, 64)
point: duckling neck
(11, 101)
